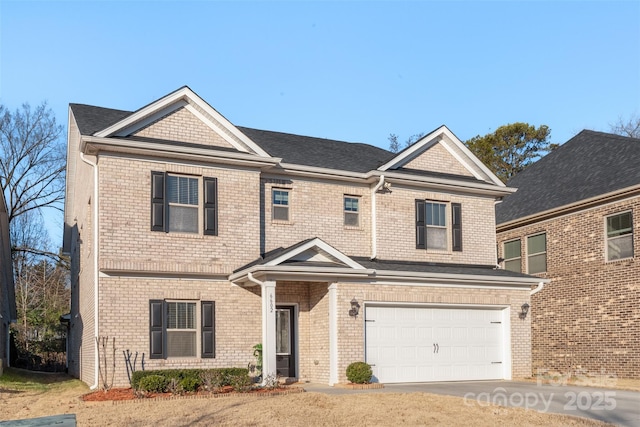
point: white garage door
(416, 344)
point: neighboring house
(574, 220)
(192, 240)
(7, 291)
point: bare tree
(629, 127)
(394, 144)
(32, 159)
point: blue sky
(354, 70)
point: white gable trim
(315, 243)
(444, 135)
(183, 97)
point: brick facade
(136, 265)
(587, 318)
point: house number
(271, 302)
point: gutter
(537, 289)
(374, 226)
(95, 261)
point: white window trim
(345, 212)
(198, 329)
(504, 253)
(199, 207)
(446, 227)
(288, 205)
(607, 238)
(527, 254)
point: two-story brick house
(193, 239)
(573, 220)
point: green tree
(511, 148)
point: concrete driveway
(618, 407)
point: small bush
(212, 380)
(220, 376)
(359, 373)
(153, 384)
(189, 384)
(241, 383)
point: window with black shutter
(456, 227)
(176, 204)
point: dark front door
(285, 341)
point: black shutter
(208, 329)
(156, 329)
(210, 206)
(421, 230)
(456, 226)
(157, 201)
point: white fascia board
(424, 143)
(319, 244)
(460, 278)
(155, 149)
(472, 157)
(434, 137)
(181, 98)
(315, 171)
(302, 273)
(446, 184)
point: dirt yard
(41, 395)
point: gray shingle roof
(588, 165)
(92, 119)
(319, 152)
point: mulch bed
(127, 394)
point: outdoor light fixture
(355, 308)
(525, 310)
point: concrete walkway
(619, 407)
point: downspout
(254, 280)
(374, 228)
(538, 288)
(95, 261)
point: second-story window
(280, 208)
(178, 205)
(537, 253)
(351, 211)
(182, 200)
(432, 226)
(619, 236)
(512, 256)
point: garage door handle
(434, 348)
(496, 363)
(437, 348)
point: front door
(285, 341)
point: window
(174, 326)
(351, 211)
(512, 256)
(619, 236)
(280, 205)
(537, 253)
(431, 226)
(176, 203)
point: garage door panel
(400, 343)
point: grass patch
(22, 380)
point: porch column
(333, 334)
(268, 329)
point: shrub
(189, 384)
(212, 380)
(194, 377)
(153, 383)
(359, 373)
(241, 383)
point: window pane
(280, 197)
(183, 219)
(513, 265)
(183, 190)
(620, 247)
(181, 343)
(512, 249)
(351, 204)
(436, 238)
(537, 244)
(351, 219)
(281, 213)
(436, 214)
(429, 211)
(537, 263)
(283, 330)
(619, 224)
